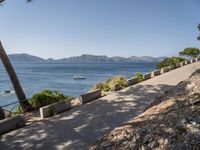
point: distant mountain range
(85, 58)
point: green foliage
(190, 52)
(98, 86)
(44, 98)
(47, 97)
(106, 86)
(139, 76)
(169, 61)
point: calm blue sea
(58, 76)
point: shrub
(139, 76)
(169, 61)
(47, 97)
(44, 98)
(98, 86)
(106, 86)
(118, 79)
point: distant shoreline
(85, 58)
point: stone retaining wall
(172, 67)
(10, 124)
(182, 63)
(132, 81)
(155, 73)
(53, 109)
(147, 76)
(164, 70)
(85, 98)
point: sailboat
(79, 76)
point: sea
(35, 77)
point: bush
(44, 98)
(139, 76)
(106, 86)
(169, 61)
(98, 86)
(47, 97)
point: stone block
(132, 81)
(10, 124)
(53, 109)
(182, 63)
(164, 70)
(178, 65)
(172, 67)
(85, 98)
(147, 76)
(188, 62)
(155, 73)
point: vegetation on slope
(44, 98)
(107, 85)
(169, 61)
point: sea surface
(35, 77)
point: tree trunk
(25, 106)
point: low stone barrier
(182, 63)
(188, 62)
(10, 124)
(132, 81)
(85, 98)
(195, 60)
(172, 67)
(177, 65)
(164, 70)
(53, 109)
(115, 87)
(155, 73)
(147, 76)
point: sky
(65, 28)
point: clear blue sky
(52, 28)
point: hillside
(171, 122)
(25, 58)
(85, 58)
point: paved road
(81, 126)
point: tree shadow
(171, 128)
(81, 126)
